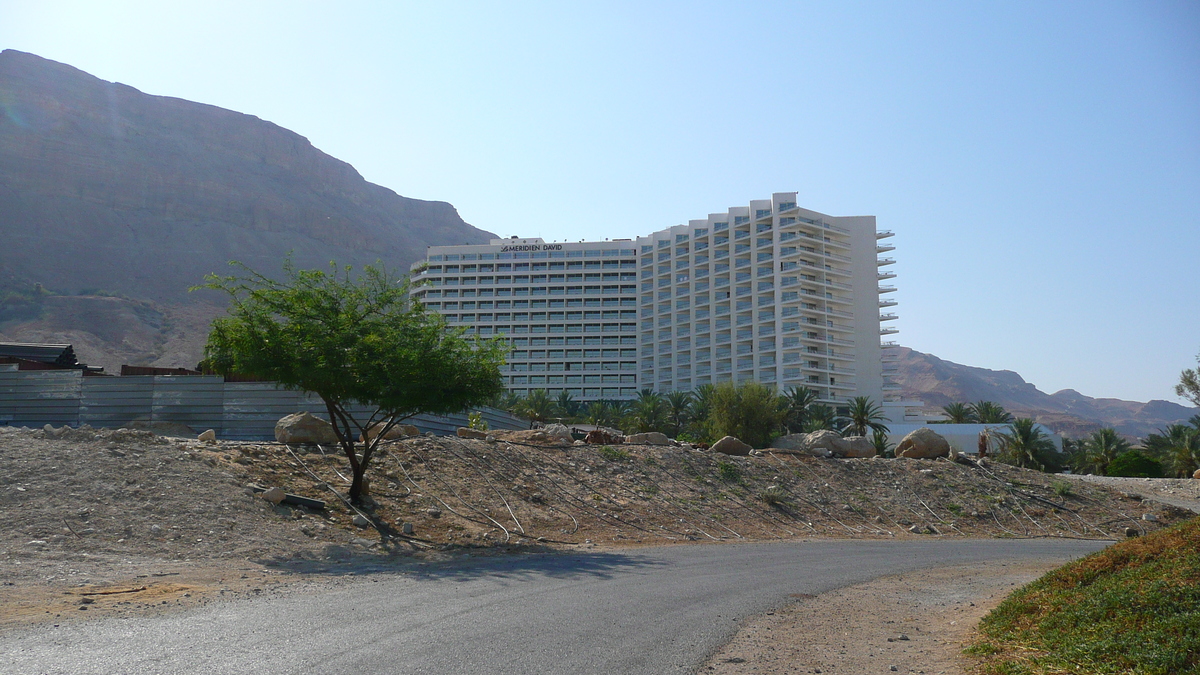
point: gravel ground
(139, 523)
(1181, 492)
(915, 622)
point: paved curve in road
(654, 610)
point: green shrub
(1135, 464)
(1062, 488)
(773, 495)
(749, 411)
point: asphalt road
(657, 610)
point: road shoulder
(916, 621)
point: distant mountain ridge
(938, 382)
(129, 199)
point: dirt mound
(95, 505)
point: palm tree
(798, 400)
(566, 405)
(987, 412)
(1178, 447)
(702, 399)
(537, 406)
(863, 414)
(958, 413)
(679, 410)
(648, 412)
(879, 439)
(820, 417)
(1098, 450)
(600, 414)
(1026, 445)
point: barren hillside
(115, 202)
(937, 382)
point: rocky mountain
(113, 202)
(938, 382)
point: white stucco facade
(769, 292)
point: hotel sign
(531, 247)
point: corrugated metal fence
(235, 410)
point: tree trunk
(360, 486)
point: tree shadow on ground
(339, 560)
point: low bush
(1131, 608)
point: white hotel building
(768, 292)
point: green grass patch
(1131, 608)
(613, 454)
(729, 472)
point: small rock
(37, 542)
(359, 521)
(1150, 517)
(893, 668)
(1131, 532)
(490, 439)
(207, 436)
(407, 528)
(902, 636)
(274, 495)
(468, 432)
(434, 513)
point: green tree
(749, 411)
(537, 406)
(958, 413)
(819, 418)
(1177, 447)
(702, 399)
(350, 339)
(648, 412)
(679, 411)
(988, 412)
(1189, 384)
(1098, 450)
(1024, 444)
(798, 401)
(601, 414)
(862, 415)
(566, 406)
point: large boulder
(924, 443)
(397, 432)
(648, 438)
(797, 444)
(304, 427)
(823, 443)
(731, 446)
(559, 432)
(856, 446)
(1196, 475)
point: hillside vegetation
(1131, 608)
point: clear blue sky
(1038, 161)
